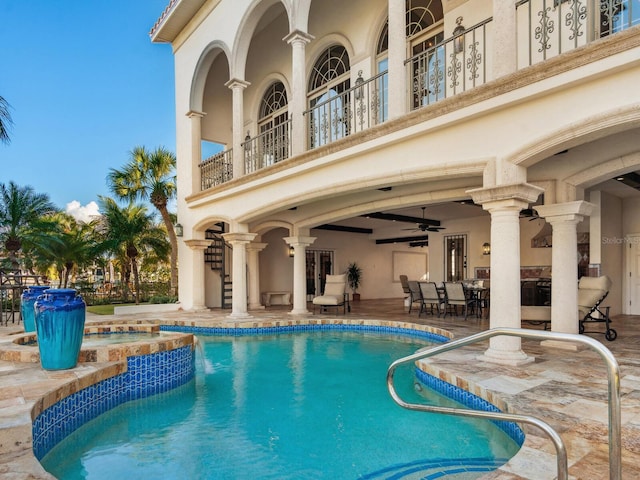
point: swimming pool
(299, 405)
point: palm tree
(150, 176)
(5, 121)
(21, 216)
(72, 245)
(131, 230)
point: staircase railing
(218, 255)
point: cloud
(82, 214)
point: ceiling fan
(424, 227)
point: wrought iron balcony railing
(547, 28)
(271, 146)
(216, 169)
(453, 66)
(354, 110)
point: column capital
(299, 240)
(256, 247)
(194, 113)
(566, 212)
(298, 36)
(235, 238)
(197, 244)
(513, 196)
(237, 83)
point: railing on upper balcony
(547, 28)
(453, 66)
(271, 146)
(216, 169)
(354, 110)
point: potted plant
(354, 274)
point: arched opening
(329, 117)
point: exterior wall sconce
(292, 251)
(359, 93)
(486, 248)
(458, 36)
(179, 230)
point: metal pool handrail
(613, 374)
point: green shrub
(163, 299)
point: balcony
(354, 110)
(216, 169)
(270, 147)
(462, 62)
(453, 66)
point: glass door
(455, 264)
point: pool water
(287, 406)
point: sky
(85, 86)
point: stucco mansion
(440, 139)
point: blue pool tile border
(471, 401)
(146, 375)
(233, 331)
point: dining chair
(430, 296)
(416, 296)
(456, 295)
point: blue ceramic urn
(59, 318)
(27, 299)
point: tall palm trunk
(136, 280)
(174, 247)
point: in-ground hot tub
(103, 343)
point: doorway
(632, 302)
(319, 264)
(455, 258)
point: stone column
(253, 260)
(298, 101)
(397, 52)
(194, 298)
(299, 244)
(504, 55)
(196, 150)
(237, 87)
(239, 243)
(564, 218)
(504, 204)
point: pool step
(443, 469)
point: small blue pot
(59, 318)
(27, 299)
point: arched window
(424, 33)
(382, 83)
(424, 30)
(274, 125)
(329, 115)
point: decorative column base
(256, 306)
(303, 311)
(503, 357)
(240, 316)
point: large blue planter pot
(27, 300)
(59, 317)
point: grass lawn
(105, 309)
